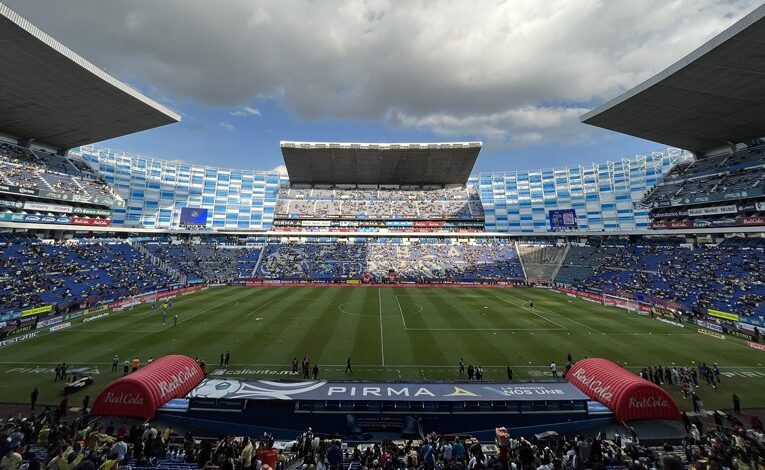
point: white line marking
(532, 311)
(567, 318)
(267, 302)
(401, 310)
(382, 344)
(486, 329)
(373, 366)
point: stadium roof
(399, 164)
(712, 97)
(55, 97)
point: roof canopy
(55, 97)
(395, 164)
(712, 97)
(629, 396)
(139, 394)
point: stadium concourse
(610, 315)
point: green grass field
(391, 334)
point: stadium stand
(204, 262)
(428, 259)
(379, 203)
(49, 440)
(40, 170)
(540, 261)
(715, 191)
(724, 277)
(70, 274)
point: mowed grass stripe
(294, 313)
(306, 320)
(422, 342)
(321, 337)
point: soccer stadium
(382, 304)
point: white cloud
(243, 111)
(518, 127)
(281, 169)
(514, 70)
(227, 125)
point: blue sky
(215, 136)
(512, 73)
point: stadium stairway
(153, 259)
(541, 262)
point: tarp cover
(141, 393)
(629, 396)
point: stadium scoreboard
(193, 217)
(562, 219)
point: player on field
(348, 368)
(462, 367)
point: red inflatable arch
(629, 396)
(141, 393)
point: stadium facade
(605, 195)
(155, 191)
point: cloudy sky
(515, 74)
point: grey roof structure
(714, 96)
(53, 96)
(394, 164)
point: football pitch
(390, 334)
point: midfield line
(382, 343)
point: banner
(45, 207)
(60, 326)
(726, 222)
(33, 219)
(738, 334)
(723, 315)
(580, 294)
(726, 196)
(97, 309)
(669, 214)
(91, 221)
(88, 199)
(90, 211)
(670, 322)
(673, 224)
(10, 189)
(728, 209)
(11, 204)
(132, 301)
(711, 333)
(72, 316)
(18, 339)
(37, 310)
(757, 346)
(754, 220)
(710, 326)
(370, 391)
(95, 317)
(49, 322)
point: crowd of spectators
(50, 441)
(380, 203)
(206, 262)
(740, 171)
(33, 273)
(422, 261)
(723, 277)
(43, 171)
